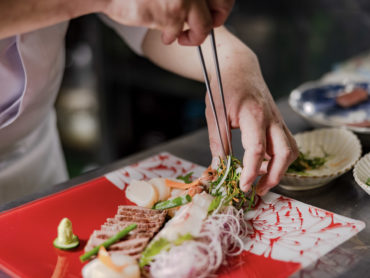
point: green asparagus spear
(175, 202)
(108, 242)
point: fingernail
(259, 191)
(245, 187)
(215, 163)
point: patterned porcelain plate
(284, 235)
(315, 101)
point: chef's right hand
(171, 16)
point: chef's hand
(170, 16)
(269, 146)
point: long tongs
(210, 94)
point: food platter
(284, 235)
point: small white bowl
(361, 172)
(343, 147)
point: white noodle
(225, 175)
(221, 236)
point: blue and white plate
(315, 101)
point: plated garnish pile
(206, 227)
(305, 162)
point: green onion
(172, 203)
(108, 242)
(186, 178)
(215, 203)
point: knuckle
(176, 8)
(258, 112)
(272, 181)
(258, 150)
(206, 26)
(285, 154)
(250, 177)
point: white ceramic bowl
(343, 147)
(361, 172)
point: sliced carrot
(180, 185)
(104, 257)
(195, 190)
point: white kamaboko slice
(142, 193)
(175, 192)
(97, 269)
(163, 190)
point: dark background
(113, 103)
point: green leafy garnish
(181, 239)
(368, 181)
(152, 250)
(304, 163)
(230, 193)
(186, 178)
(159, 245)
(215, 203)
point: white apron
(31, 70)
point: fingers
(172, 32)
(283, 151)
(220, 10)
(174, 21)
(200, 24)
(252, 126)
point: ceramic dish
(361, 172)
(343, 149)
(315, 101)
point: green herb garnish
(159, 245)
(304, 163)
(368, 181)
(186, 178)
(230, 193)
(152, 250)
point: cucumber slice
(68, 246)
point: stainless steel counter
(342, 196)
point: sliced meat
(148, 224)
(352, 98)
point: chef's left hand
(269, 146)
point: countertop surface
(342, 196)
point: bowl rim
(364, 186)
(317, 84)
(334, 174)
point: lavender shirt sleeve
(12, 81)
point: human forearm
(18, 16)
(184, 60)
(269, 146)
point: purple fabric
(12, 81)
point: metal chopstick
(221, 90)
(210, 94)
